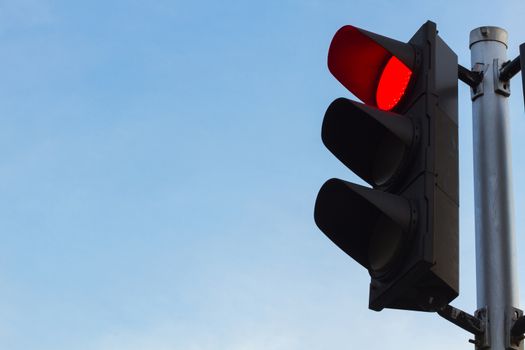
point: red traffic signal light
(403, 143)
(374, 68)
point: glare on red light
(392, 84)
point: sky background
(159, 163)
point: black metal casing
(421, 198)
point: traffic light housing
(403, 142)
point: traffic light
(403, 142)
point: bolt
(475, 342)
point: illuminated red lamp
(376, 69)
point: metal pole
(496, 276)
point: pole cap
(488, 33)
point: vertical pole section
(496, 277)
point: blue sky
(159, 162)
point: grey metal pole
(496, 276)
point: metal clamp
(477, 324)
(515, 327)
(482, 341)
(462, 319)
(470, 78)
(501, 87)
(477, 90)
